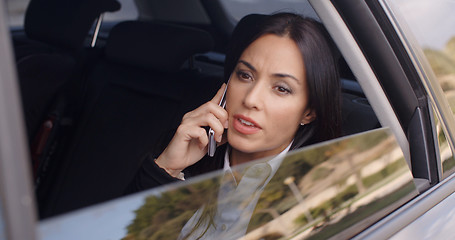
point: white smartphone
(212, 143)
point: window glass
(334, 189)
(188, 11)
(240, 8)
(446, 155)
(128, 11)
(16, 10)
(433, 26)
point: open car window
(332, 189)
(433, 52)
(238, 9)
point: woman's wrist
(176, 173)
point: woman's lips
(245, 125)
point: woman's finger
(217, 98)
(198, 116)
(207, 119)
(216, 125)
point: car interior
(94, 112)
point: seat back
(47, 56)
(135, 95)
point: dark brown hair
(319, 56)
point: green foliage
(165, 215)
(440, 62)
(450, 48)
(442, 137)
(344, 196)
(385, 172)
(366, 142)
(392, 201)
(276, 191)
(259, 219)
(448, 164)
(320, 173)
(301, 220)
(328, 207)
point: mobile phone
(212, 143)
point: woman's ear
(308, 116)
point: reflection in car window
(333, 189)
(433, 24)
(324, 191)
(446, 155)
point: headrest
(157, 46)
(64, 23)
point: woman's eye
(283, 90)
(244, 75)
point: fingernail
(226, 124)
(218, 139)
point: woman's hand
(190, 141)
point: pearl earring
(301, 124)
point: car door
(405, 106)
(381, 28)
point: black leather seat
(136, 94)
(48, 54)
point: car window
(188, 12)
(128, 11)
(333, 189)
(238, 9)
(445, 153)
(16, 12)
(433, 26)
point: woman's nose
(253, 98)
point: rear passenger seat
(136, 93)
(47, 56)
(357, 115)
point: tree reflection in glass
(345, 185)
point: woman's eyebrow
(285, 75)
(279, 75)
(247, 64)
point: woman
(283, 93)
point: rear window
(238, 9)
(16, 12)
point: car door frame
(17, 198)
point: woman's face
(267, 97)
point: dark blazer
(150, 175)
